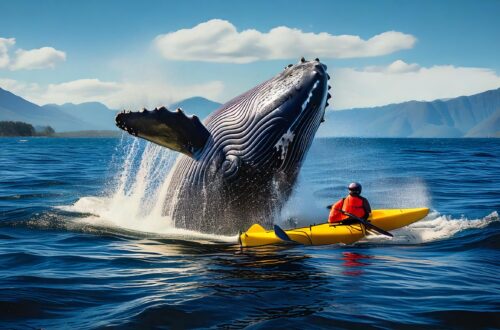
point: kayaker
(354, 203)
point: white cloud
(82, 88)
(5, 44)
(117, 95)
(398, 66)
(41, 58)
(366, 87)
(400, 82)
(219, 41)
(19, 87)
(136, 95)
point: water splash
(140, 193)
(303, 208)
(435, 227)
(135, 201)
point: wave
(484, 154)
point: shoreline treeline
(19, 128)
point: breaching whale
(239, 166)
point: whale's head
(273, 125)
(268, 128)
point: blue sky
(121, 53)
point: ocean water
(83, 243)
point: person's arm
(367, 207)
(335, 215)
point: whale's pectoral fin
(173, 130)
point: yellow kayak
(326, 233)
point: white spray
(137, 198)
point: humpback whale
(239, 166)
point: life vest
(350, 204)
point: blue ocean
(84, 245)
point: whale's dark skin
(239, 166)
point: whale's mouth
(284, 143)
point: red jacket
(355, 205)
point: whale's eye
(230, 166)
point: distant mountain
(95, 115)
(15, 108)
(466, 116)
(71, 117)
(199, 106)
(490, 125)
(63, 118)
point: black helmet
(355, 188)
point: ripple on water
(66, 263)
